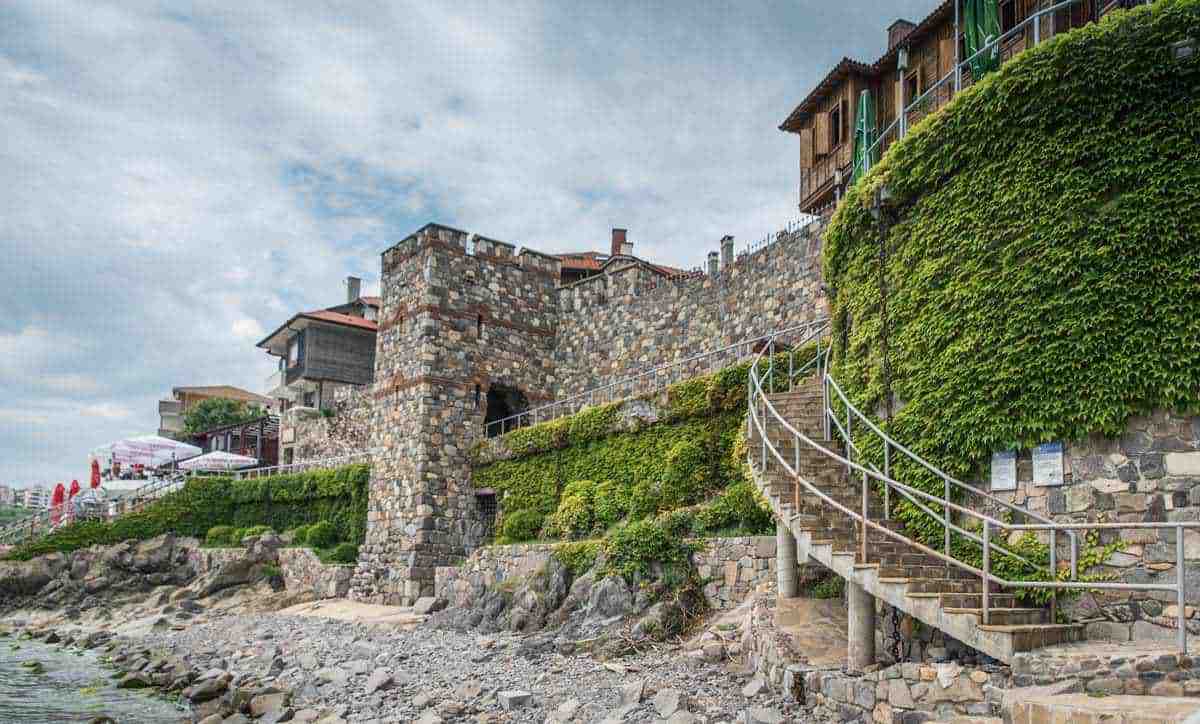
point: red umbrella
(56, 503)
(95, 473)
(74, 488)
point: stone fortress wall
(463, 314)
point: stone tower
(464, 319)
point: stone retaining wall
(303, 571)
(345, 429)
(731, 567)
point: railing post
(826, 412)
(1074, 555)
(849, 444)
(1053, 575)
(863, 542)
(771, 366)
(987, 567)
(1180, 591)
(887, 473)
(946, 514)
(791, 366)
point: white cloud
(176, 184)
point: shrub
(254, 530)
(688, 472)
(634, 549)
(610, 503)
(680, 523)
(344, 553)
(219, 535)
(300, 535)
(573, 518)
(579, 557)
(322, 535)
(644, 500)
(520, 525)
(738, 507)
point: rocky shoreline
(236, 649)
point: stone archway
(503, 401)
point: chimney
(353, 289)
(726, 251)
(898, 31)
(618, 242)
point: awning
(982, 27)
(149, 450)
(865, 155)
(218, 460)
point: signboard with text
(1048, 464)
(1004, 470)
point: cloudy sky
(181, 177)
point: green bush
(610, 503)
(219, 535)
(645, 500)
(344, 553)
(740, 508)
(578, 557)
(573, 519)
(337, 496)
(1040, 261)
(520, 525)
(634, 549)
(322, 535)
(300, 535)
(689, 474)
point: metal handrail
(320, 463)
(955, 72)
(758, 420)
(889, 442)
(597, 395)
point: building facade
(914, 76)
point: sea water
(70, 687)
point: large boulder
(25, 578)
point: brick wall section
(732, 567)
(303, 571)
(613, 325)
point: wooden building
(917, 72)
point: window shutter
(806, 147)
(946, 56)
(822, 131)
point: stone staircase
(934, 592)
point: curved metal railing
(761, 413)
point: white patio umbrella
(218, 460)
(151, 451)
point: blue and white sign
(1048, 464)
(1004, 470)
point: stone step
(1006, 616)
(1027, 637)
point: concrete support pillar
(860, 636)
(785, 562)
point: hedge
(282, 502)
(1041, 259)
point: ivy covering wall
(283, 502)
(590, 473)
(1040, 254)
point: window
(835, 126)
(296, 350)
(912, 87)
(1008, 15)
(479, 326)
(310, 399)
(477, 393)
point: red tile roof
(372, 301)
(587, 260)
(324, 315)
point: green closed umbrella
(865, 151)
(982, 19)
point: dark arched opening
(503, 402)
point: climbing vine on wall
(1043, 252)
(582, 475)
(1044, 267)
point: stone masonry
(463, 314)
(732, 569)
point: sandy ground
(339, 609)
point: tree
(216, 412)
